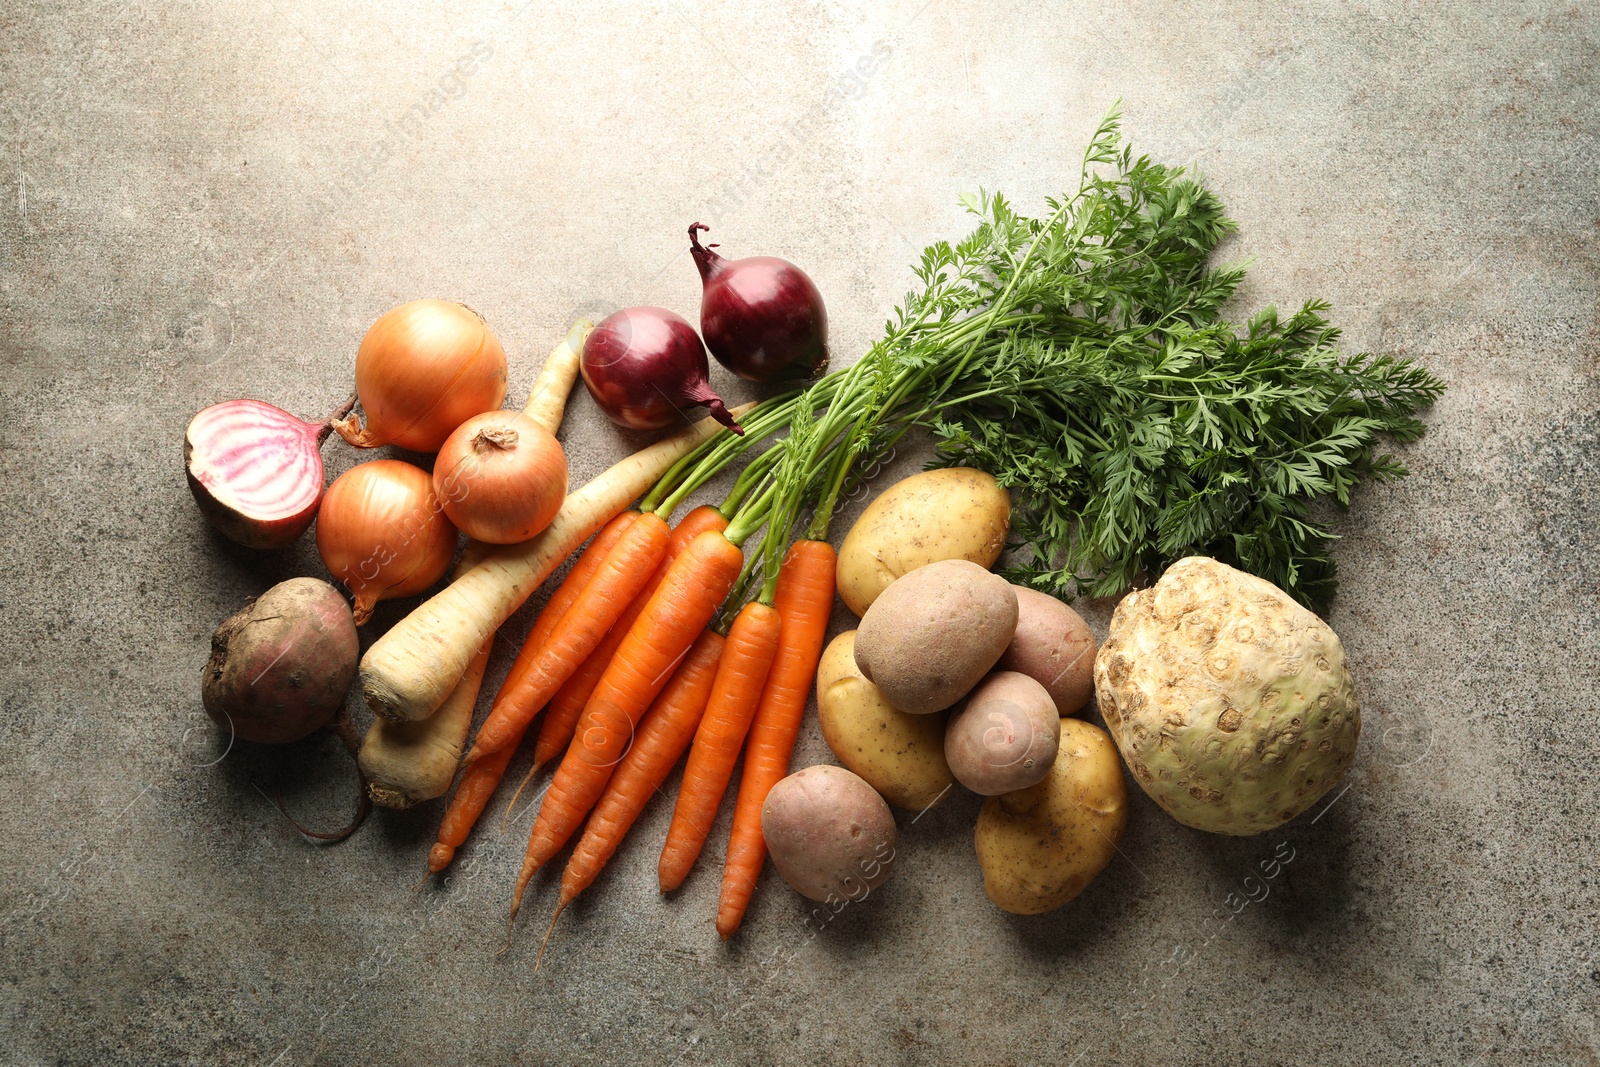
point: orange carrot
(752, 644)
(478, 781)
(665, 731)
(561, 717)
(564, 709)
(804, 600)
(627, 568)
(695, 584)
(561, 600)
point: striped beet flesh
(255, 470)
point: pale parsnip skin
(954, 513)
(1231, 703)
(406, 763)
(409, 671)
(1054, 647)
(1041, 846)
(829, 834)
(899, 755)
(547, 400)
(1004, 735)
(935, 633)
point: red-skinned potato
(1054, 647)
(1003, 736)
(830, 834)
(281, 666)
(933, 634)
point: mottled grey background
(206, 201)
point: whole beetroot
(281, 666)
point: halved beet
(255, 470)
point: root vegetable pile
(1086, 400)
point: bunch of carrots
(664, 639)
(661, 639)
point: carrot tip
(540, 957)
(505, 820)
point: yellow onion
(423, 369)
(501, 477)
(382, 533)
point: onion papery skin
(255, 470)
(423, 369)
(762, 317)
(382, 532)
(501, 477)
(644, 365)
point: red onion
(644, 365)
(256, 470)
(762, 317)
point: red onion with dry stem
(762, 317)
(644, 365)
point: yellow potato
(955, 513)
(1040, 846)
(899, 755)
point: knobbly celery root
(1230, 702)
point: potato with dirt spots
(1231, 703)
(935, 633)
(1054, 647)
(953, 513)
(830, 834)
(899, 755)
(1004, 736)
(1041, 846)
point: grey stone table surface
(202, 201)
